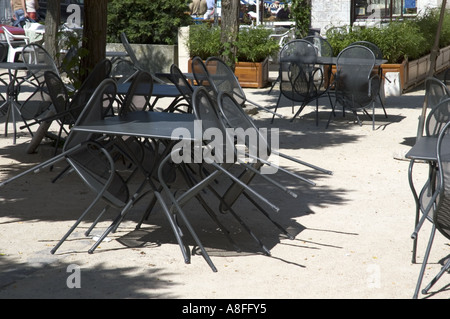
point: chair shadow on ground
(22, 200)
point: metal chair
(253, 149)
(37, 61)
(94, 163)
(356, 87)
(61, 101)
(223, 79)
(282, 38)
(200, 73)
(435, 93)
(219, 160)
(435, 196)
(74, 105)
(321, 44)
(300, 80)
(379, 56)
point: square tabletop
(147, 124)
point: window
(382, 9)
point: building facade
(326, 14)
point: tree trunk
(435, 50)
(230, 30)
(94, 34)
(52, 21)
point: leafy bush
(144, 21)
(204, 41)
(398, 40)
(253, 44)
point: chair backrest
(297, 59)
(200, 73)
(321, 44)
(100, 72)
(57, 91)
(438, 118)
(139, 94)
(93, 110)
(38, 61)
(206, 110)
(441, 215)
(353, 77)
(372, 46)
(435, 92)
(182, 84)
(223, 79)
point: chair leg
(96, 200)
(424, 262)
(298, 112)
(273, 84)
(438, 276)
(276, 107)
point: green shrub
(144, 21)
(253, 44)
(204, 41)
(398, 40)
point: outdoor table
(12, 93)
(156, 125)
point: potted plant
(254, 46)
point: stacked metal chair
(223, 79)
(435, 196)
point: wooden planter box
(417, 70)
(249, 74)
(252, 75)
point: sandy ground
(352, 230)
